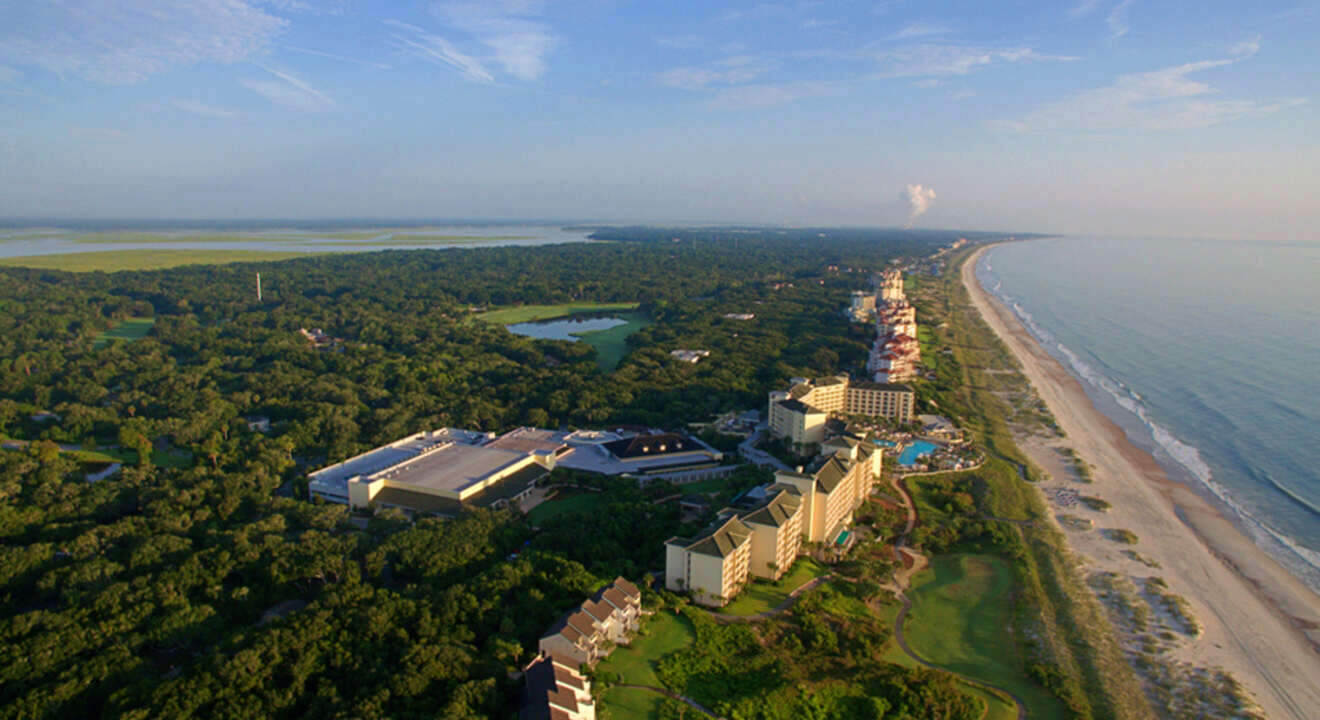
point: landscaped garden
(759, 596)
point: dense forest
(200, 582)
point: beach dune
(1260, 623)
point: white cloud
(730, 71)
(1083, 8)
(920, 29)
(929, 60)
(333, 56)
(1118, 19)
(510, 29)
(128, 40)
(199, 108)
(1164, 99)
(1246, 48)
(290, 91)
(436, 49)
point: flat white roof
(335, 477)
(451, 468)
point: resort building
(765, 540)
(831, 493)
(553, 689)
(690, 356)
(896, 352)
(713, 566)
(442, 472)
(800, 412)
(862, 307)
(776, 533)
(647, 455)
(589, 631)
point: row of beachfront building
(896, 353)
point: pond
(608, 334)
(568, 328)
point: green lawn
(611, 345)
(961, 612)
(565, 502)
(116, 260)
(173, 458)
(996, 707)
(531, 313)
(661, 634)
(128, 330)
(631, 704)
(705, 486)
(760, 596)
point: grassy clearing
(127, 330)
(118, 260)
(996, 706)
(661, 634)
(173, 458)
(960, 619)
(565, 502)
(532, 313)
(612, 344)
(760, 596)
(631, 704)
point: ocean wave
(1301, 560)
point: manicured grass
(532, 313)
(128, 330)
(661, 634)
(611, 345)
(760, 596)
(116, 260)
(631, 704)
(174, 458)
(961, 612)
(705, 486)
(565, 502)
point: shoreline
(1261, 624)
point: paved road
(747, 448)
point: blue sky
(1102, 116)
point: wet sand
(1261, 624)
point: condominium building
(713, 566)
(587, 632)
(800, 412)
(553, 689)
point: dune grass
(532, 313)
(117, 260)
(127, 330)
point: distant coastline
(1261, 621)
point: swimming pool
(909, 456)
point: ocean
(1206, 353)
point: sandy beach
(1260, 623)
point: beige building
(800, 412)
(443, 471)
(712, 567)
(833, 492)
(776, 533)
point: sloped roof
(779, 510)
(651, 445)
(831, 474)
(628, 588)
(724, 540)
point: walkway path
(747, 448)
(673, 695)
(902, 580)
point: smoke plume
(919, 199)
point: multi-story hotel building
(713, 566)
(776, 533)
(800, 412)
(831, 493)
